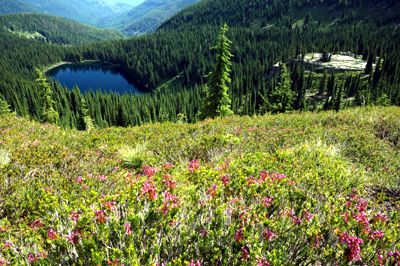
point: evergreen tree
(282, 97)
(217, 102)
(48, 113)
(322, 85)
(4, 107)
(83, 118)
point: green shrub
(135, 157)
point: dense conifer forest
(173, 62)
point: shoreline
(57, 65)
(83, 62)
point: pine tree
(4, 107)
(322, 85)
(82, 123)
(48, 114)
(282, 97)
(217, 102)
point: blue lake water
(94, 76)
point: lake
(94, 76)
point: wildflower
(74, 237)
(127, 227)
(149, 171)
(225, 180)
(150, 189)
(36, 258)
(239, 235)
(194, 166)
(245, 254)
(204, 232)
(110, 205)
(194, 263)
(262, 261)
(268, 235)
(52, 235)
(115, 263)
(170, 202)
(100, 216)
(213, 190)
(36, 224)
(75, 215)
(266, 202)
(353, 244)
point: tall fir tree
(217, 101)
(4, 107)
(282, 97)
(48, 114)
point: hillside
(54, 30)
(299, 189)
(146, 17)
(84, 11)
(286, 13)
(17, 6)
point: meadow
(288, 189)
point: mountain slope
(17, 6)
(85, 11)
(54, 29)
(289, 189)
(253, 14)
(146, 17)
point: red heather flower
(169, 183)
(194, 263)
(296, 220)
(204, 232)
(353, 244)
(115, 263)
(110, 205)
(376, 235)
(266, 202)
(245, 254)
(100, 216)
(127, 227)
(75, 215)
(309, 216)
(170, 202)
(34, 259)
(225, 180)
(167, 166)
(149, 171)
(74, 237)
(52, 235)
(194, 166)
(36, 224)
(268, 235)
(262, 261)
(150, 189)
(3, 262)
(213, 190)
(239, 235)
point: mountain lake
(95, 76)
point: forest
(173, 62)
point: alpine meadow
(262, 132)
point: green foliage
(136, 157)
(217, 102)
(282, 98)
(4, 107)
(55, 30)
(48, 114)
(4, 158)
(286, 189)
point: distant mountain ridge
(17, 6)
(85, 11)
(53, 29)
(146, 17)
